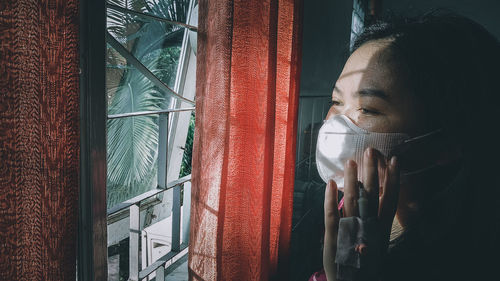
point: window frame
(92, 238)
(166, 138)
(93, 213)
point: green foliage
(188, 149)
(133, 141)
(132, 150)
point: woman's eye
(333, 103)
(368, 111)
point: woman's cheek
(376, 123)
(331, 112)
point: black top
(452, 240)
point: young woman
(416, 106)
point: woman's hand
(382, 193)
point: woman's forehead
(370, 67)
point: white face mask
(339, 140)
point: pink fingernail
(341, 203)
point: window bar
(311, 141)
(176, 219)
(186, 211)
(143, 113)
(162, 150)
(160, 273)
(134, 242)
(168, 257)
(144, 70)
(92, 234)
(148, 16)
(139, 198)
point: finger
(382, 171)
(389, 198)
(332, 218)
(332, 215)
(370, 178)
(351, 191)
(370, 171)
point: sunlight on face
(373, 92)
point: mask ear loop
(424, 135)
(405, 145)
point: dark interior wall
(326, 33)
(327, 26)
(485, 12)
(325, 46)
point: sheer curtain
(39, 139)
(244, 148)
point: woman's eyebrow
(373, 93)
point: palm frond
(132, 149)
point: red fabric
(244, 146)
(39, 139)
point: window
(143, 56)
(323, 46)
(150, 88)
(358, 20)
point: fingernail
(351, 163)
(330, 183)
(393, 161)
(369, 152)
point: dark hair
(452, 63)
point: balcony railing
(133, 206)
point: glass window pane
(132, 157)
(128, 90)
(133, 152)
(188, 149)
(133, 141)
(154, 44)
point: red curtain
(244, 147)
(39, 139)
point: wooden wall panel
(39, 139)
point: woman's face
(373, 92)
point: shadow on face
(373, 90)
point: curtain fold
(244, 145)
(39, 139)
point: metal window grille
(133, 207)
